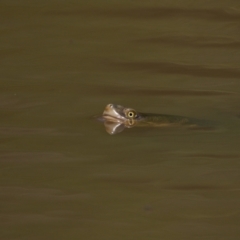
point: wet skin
(117, 117)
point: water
(62, 176)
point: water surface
(62, 176)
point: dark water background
(62, 176)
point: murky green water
(62, 176)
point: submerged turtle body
(117, 117)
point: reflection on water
(113, 128)
(62, 176)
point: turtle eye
(131, 114)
